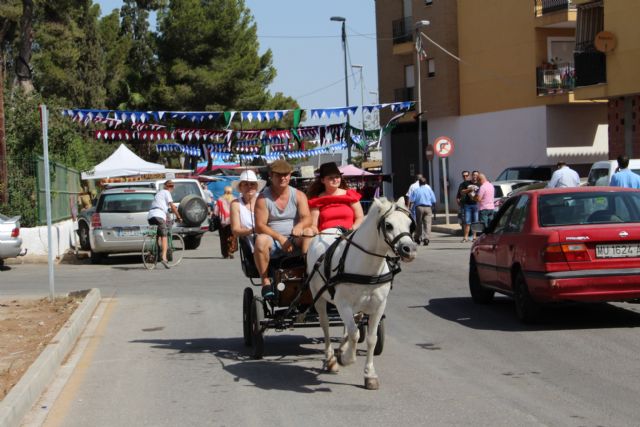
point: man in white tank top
(282, 217)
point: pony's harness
(340, 276)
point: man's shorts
(470, 214)
(277, 252)
(163, 230)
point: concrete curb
(454, 230)
(27, 391)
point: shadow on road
(500, 315)
(282, 370)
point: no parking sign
(443, 146)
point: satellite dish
(605, 41)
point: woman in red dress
(332, 203)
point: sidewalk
(439, 225)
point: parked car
(534, 173)
(561, 244)
(502, 189)
(10, 240)
(189, 199)
(602, 171)
(119, 221)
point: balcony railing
(554, 79)
(403, 94)
(542, 7)
(402, 30)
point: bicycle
(151, 250)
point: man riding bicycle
(160, 206)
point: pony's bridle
(382, 228)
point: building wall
(616, 118)
(623, 63)
(491, 142)
(501, 46)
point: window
(409, 76)
(560, 50)
(519, 215)
(588, 208)
(428, 2)
(431, 67)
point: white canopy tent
(123, 162)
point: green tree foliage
(217, 67)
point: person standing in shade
(470, 205)
(460, 197)
(625, 177)
(423, 201)
(208, 196)
(228, 242)
(485, 200)
(564, 176)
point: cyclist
(160, 206)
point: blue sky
(307, 65)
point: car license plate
(627, 250)
(128, 232)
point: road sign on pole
(443, 146)
(429, 152)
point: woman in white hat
(242, 208)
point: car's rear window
(125, 202)
(588, 208)
(182, 189)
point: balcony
(555, 79)
(543, 7)
(403, 94)
(402, 30)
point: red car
(562, 244)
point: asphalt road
(168, 351)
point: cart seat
(249, 266)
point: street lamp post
(361, 67)
(346, 80)
(419, 25)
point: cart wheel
(257, 337)
(362, 327)
(246, 315)
(377, 350)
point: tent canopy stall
(351, 170)
(123, 162)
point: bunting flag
(400, 106)
(191, 150)
(262, 115)
(322, 113)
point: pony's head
(396, 227)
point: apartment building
(511, 82)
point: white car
(10, 240)
(602, 171)
(502, 189)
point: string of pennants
(195, 150)
(143, 117)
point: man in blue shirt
(625, 177)
(424, 201)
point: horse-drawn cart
(291, 308)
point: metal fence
(542, 7)
(65, 188)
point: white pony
(338, 270)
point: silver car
(10, 240)
(119, 221)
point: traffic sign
(443, 146)
(429, 152)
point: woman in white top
(242, 208)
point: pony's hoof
(343, 361)
(332, 365)
(371, 383)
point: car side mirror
(478, 227)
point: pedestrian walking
(485, 199)
(564, 176)
(625, 177)
(228, 242)
(423, 201)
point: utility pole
(4, 184)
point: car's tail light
(566, 253)
(95, 221)
(15, 232)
